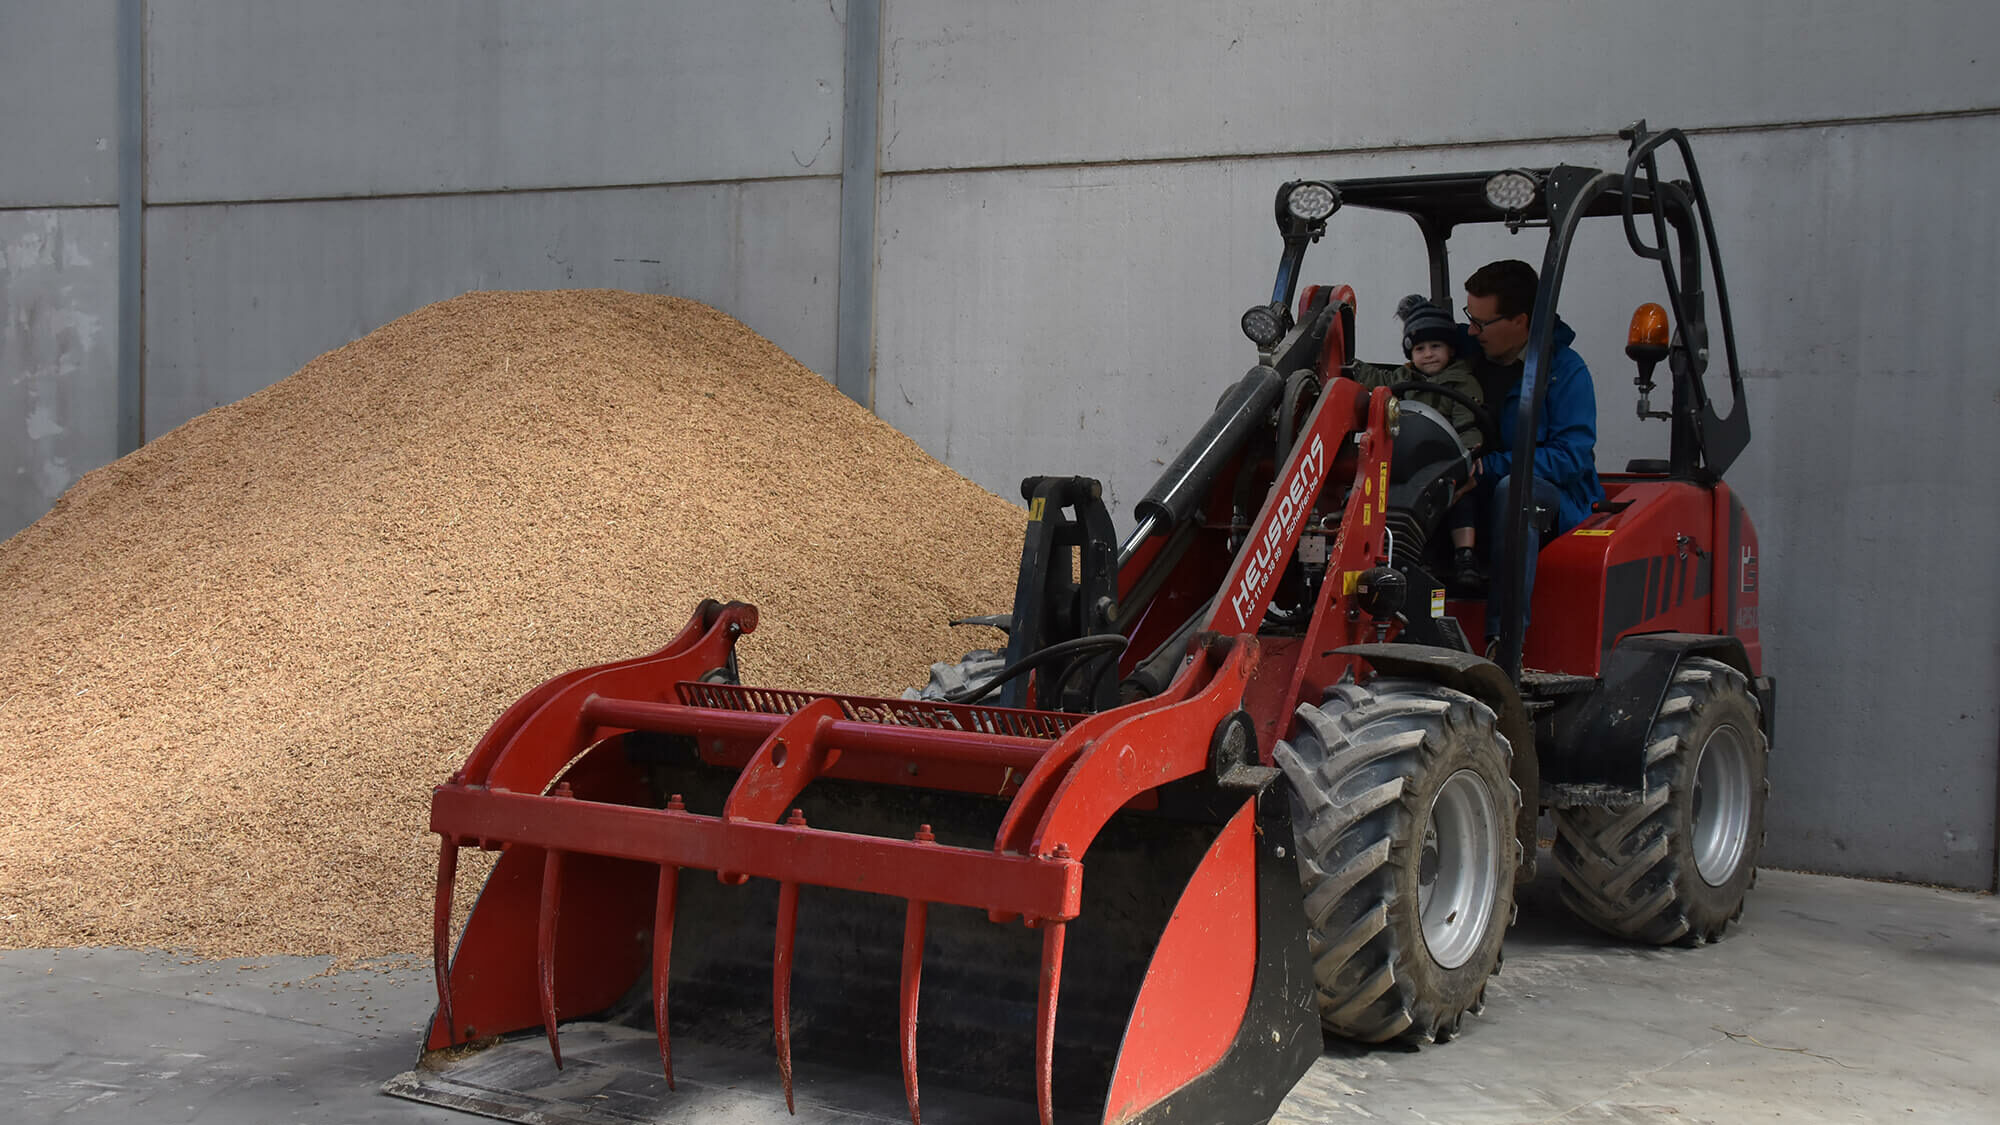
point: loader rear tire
(1404, 815)
(1674, 868)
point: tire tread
(1351, 764)
(1621, 868)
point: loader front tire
(1674, 868)
(1404, 815)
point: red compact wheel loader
(1238, 778)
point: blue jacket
(1566, 436)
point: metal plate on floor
(611, 1074)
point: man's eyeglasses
(1479, 325)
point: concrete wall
(1878, 497)
(58, 353)
(239, 295)
(1073, 208)
(250, 100)
(58, 252)
(58, 85)
(320, 170)
(313, 171)
(977, 85)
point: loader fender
(1483, 680)
(1596, 752)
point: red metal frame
(1305, 668)
(587, 855)
(1071, 786)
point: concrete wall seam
(131, 225)
(854, 343)
(1553, 140)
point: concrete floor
(1834, 1000)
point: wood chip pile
(234, 663)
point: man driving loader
(1499, 297)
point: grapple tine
(781, 985)
(913, 970)
(1045, 1019)
(663, 947)
(915, 921)
(441, 932)
(545, 947)
(781, 974)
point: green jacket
(1457, 375)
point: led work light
(1512, 191)
(1311, 201)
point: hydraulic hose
(1301, 383)
(1042, 656)
(1155, 672)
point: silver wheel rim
(1721, 815)
(1459, 869)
